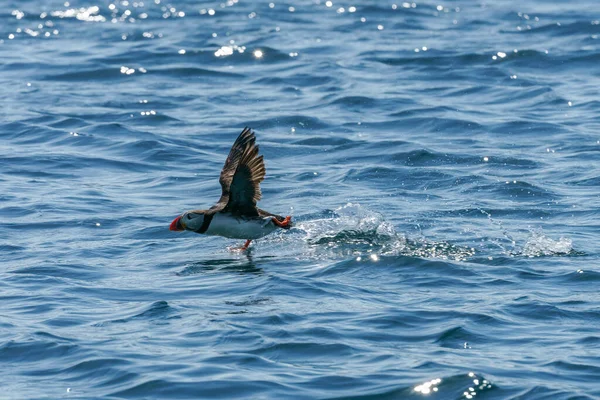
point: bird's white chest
(234, 228)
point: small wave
(60, 271)
(361, 103)
(36, 350)
(303, 121)
(320, 141)
(296, 80)
(409, 58)
(464, 385)
(193, 72)
(235, 266)
(91, 74)
(158, 312)
(461, 386)
(558, 29)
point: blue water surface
(440, 159)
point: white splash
(351, 218)
(366, 235)
(539, 245)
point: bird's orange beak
(176, 225)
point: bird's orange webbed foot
(243, 248)
(286, 223)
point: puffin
(236, 215)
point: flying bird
(236, 215)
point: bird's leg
(284, 223)
(243, 248)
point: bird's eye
(189, 216)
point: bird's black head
(190, 221)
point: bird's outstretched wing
(240, 178)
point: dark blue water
(441, 160)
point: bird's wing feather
(245, 139)
(240, 178)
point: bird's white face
(190, 220)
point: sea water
(440, 161)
